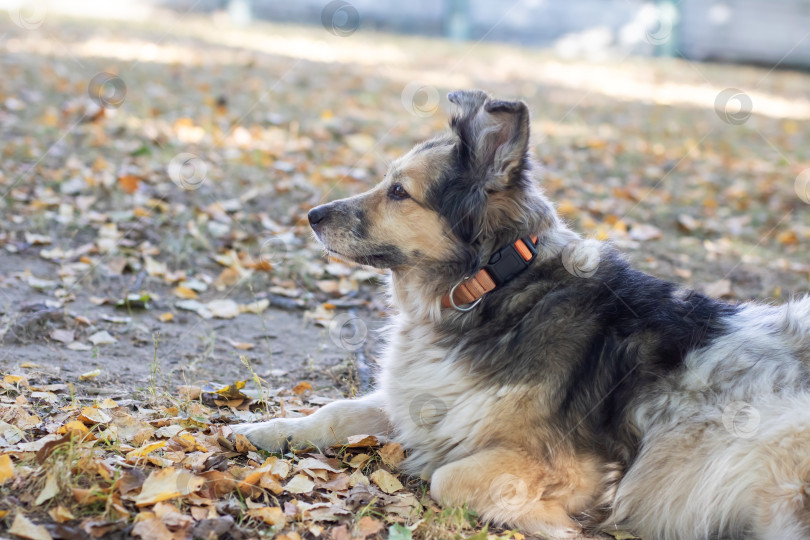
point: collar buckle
(511, 260)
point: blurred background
(169, 150)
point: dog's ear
(493, 134)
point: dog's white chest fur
(434, 404)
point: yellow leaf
(74, 426)
(387, 481)
(60, 514)
(166, 484)
(302, 388)
(6, 468)
(233, 391)
(392, 454)
(144, 450)
(14, 379)
(108, 403)
(90, 375)
(272, 515)
(184, 292)
(166, 317)
(128, 183)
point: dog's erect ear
(494, 135)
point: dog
(537, 378)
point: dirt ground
(193, 183)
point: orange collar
(505, 264)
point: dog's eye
(397, 192)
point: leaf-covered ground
(155, 249)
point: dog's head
(446, 205)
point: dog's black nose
(317, 214)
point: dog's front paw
(274, 435)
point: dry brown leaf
(189, 392)
(166, 484)
(358, 460)
(368, 526)
(387, 481)
(243, 445)
(63, 336)
(128, 183)
(93, 415)
(145, 450)
(49, 491)
(302, 388)
(392, 454)
(25, 528)
(361, 441)
(312, 463)
(228, 278)
(300, 483)
(184, 292)
(60, 514)
(272, 515)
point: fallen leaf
(92, 415)
(368, 526)
(49, 491)
(60, 514)
(165, 484)
(272, 515)
(166, 317)
(25, 528)
(63, 336)
(302, 388)
(243, 445)
(223, 309)
(300, 483)
(128, 183)
(90, 375)
(387, 481)
(361, 441)
(392, 454)
(102, 337)
(6, 468)
(184, 292)
(145, 450)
